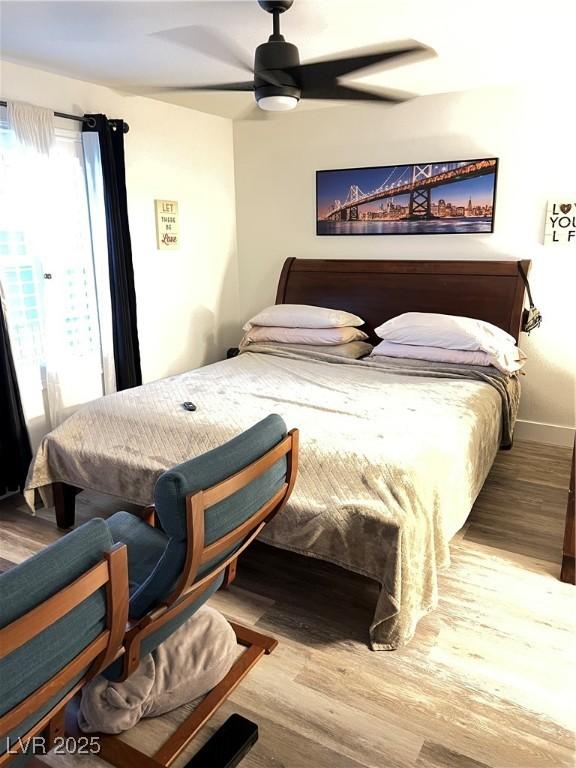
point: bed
(393, 453)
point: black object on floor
(228, 746)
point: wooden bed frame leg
(230, 574)
(567, 573)
(568, 570)
(65, 504)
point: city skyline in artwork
(428, 198)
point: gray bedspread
(393, 455)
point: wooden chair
(63, 615)
(206, 512)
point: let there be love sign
(167, 230)
(560, 224)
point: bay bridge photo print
(422, 199)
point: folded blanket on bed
(393, 454)
(506, 385)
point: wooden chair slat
(51, 687)
(23, 629)
(210, 577)
(237, 534)
(186, 731)
(117, 602)
(112, 573)
(245, 476)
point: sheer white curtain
(47, 268)
(97, 211)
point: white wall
(187, 300)
(189, 306)
(530, 132)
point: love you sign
(560, 224)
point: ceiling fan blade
(246, 85)
(209, 42)
(214, 44)
(338, 91)
(329, 70)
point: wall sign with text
(560, 223)
(167, 234)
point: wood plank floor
(489, 679)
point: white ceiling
(117, 43)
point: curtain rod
(88, 120)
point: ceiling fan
(279, 80)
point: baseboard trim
(537, 432)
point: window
(47, 273)
(21, 297)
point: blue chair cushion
(172, 488)
(211, 468)
(145, 544)
(28, 585)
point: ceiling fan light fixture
(277, 103)
(279, 80)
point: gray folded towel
(183, 668)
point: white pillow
(318, 336)
(508, 361)
(302, 316)
(353, 350)
(427, 329)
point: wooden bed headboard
(379, 289)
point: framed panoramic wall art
(440, 198)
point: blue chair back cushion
(198, 474)
(28, 585)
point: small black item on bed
(189, 406)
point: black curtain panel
(124, 325)
(15, 451)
